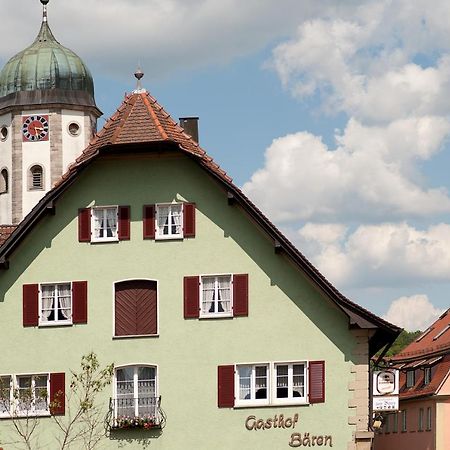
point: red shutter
(240, 295)
(189, 219)
(149, 222)
(57, 393)
(84, 225)
(316, 381)
(225, 386)
(191, 297)
(30, 305)
(79, 302)
(124, 223)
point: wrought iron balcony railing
(136, 412)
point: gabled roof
(433, 341)
(141, 125)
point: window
(5, 395)
(386, 423)
(32, 395)
(169, 221)
(36, 178)
(276, 383)
(427, 375)
(56, 304)
(136, 308)
(253, 384)
(4, 182)
(216, 296)
(135, 392)
(395, 423)
(420, 425)
(49, 304)
(290, 382)
(404, 421)
(410, 378)
(210, 296)
(429, 418)
(104, 224)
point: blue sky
(332, 115)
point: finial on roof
(139, 75)
(44, 13)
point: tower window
(4, 133)
(4, 181)
(36, 178)
(74, 129)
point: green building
(222, 334)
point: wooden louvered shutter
(124, 223)
(30, 305)
(191, 297)
(84, 225)
(135, 309)
(316, 381)
(57, 393)
(79, 302)
(189, 219)
(240, 295)
(149, 221)
(225, 386)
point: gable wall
(288, 319)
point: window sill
(54, 324)
(215, 316)
(102, 241)
(23, 416)
(169, 238)
(254, 404)
(136, 336)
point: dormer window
(410, 378)
(427, 376)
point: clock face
(35, 128)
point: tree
(403, 340)
(83, 422)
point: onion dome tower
(47, 117)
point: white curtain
(224, 294)
(98, 223)
(176, 219)
(65, 300)
(111, 222)
(48, 295)
(208, 294)
(163, 220)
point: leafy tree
(404, 339)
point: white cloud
(413, 313)
(378, 255)
(371, 175)
(164, 35)
(364, 61)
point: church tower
(47, 117)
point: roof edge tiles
(140, 121)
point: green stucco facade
(289, 318)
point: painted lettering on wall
(307, 440)
(278, 421)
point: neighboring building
(145, 252)
(424, 417)
(47, 117)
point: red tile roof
(141, 119)
(434, 340)
(5, 232)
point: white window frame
(208, 315)
(290, 399)
(14, 400)
(252, 401)
(135, 385)
(427, 375)
(271, 385)
(96, 209)
(56, 321)
(170, 235)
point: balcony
(136, 412)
